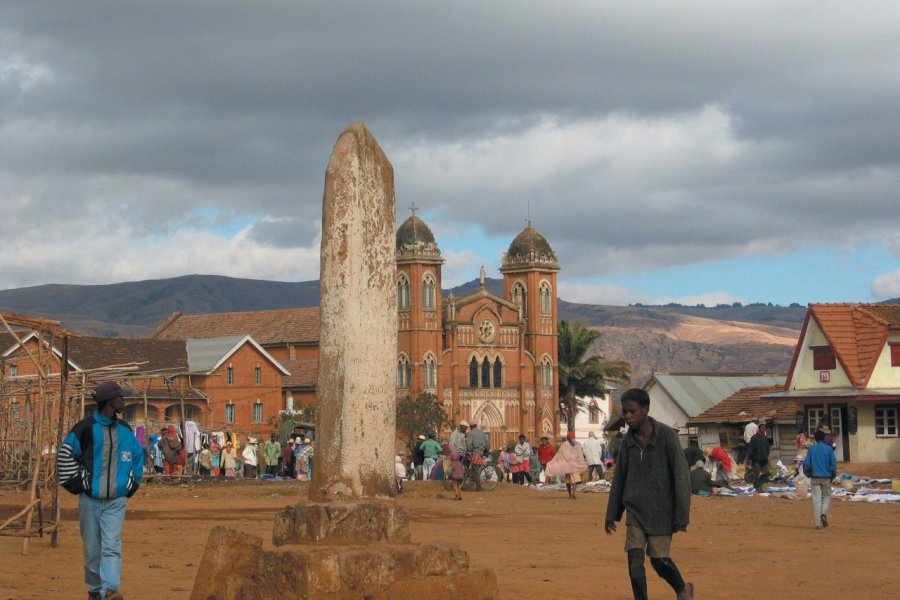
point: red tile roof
(154, 355)
(857, 334)
(267, 327)
(303, 373)
(745, 404)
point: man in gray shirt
(476, 443)
(652, 483)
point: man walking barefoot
(652, 483)
(101, 460)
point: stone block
(235, 567)
(345, 523)
(230, 564)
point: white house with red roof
(846, 371)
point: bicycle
(488, 473)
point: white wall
(664, 410)
(583, 426)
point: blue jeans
(100, 522)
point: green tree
(580, 376)
(419, 416)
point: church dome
(414, 239)
(530, 249)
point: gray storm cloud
(655, 134)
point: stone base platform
(318, 555)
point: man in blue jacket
(820, 466)
(102, 462)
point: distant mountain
(735, 338)
(135, 308)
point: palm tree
(580, 376)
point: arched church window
(486, 373)
(545, 296)
(429, 374)
(428, 292)
(498, 373)
(518, 297)
(403, 372)
(473, 373)
(546, 372)
(403, 293)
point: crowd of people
(519, 462)
(223, 455)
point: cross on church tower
(413, 208)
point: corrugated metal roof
(204, 354)
(696, 393)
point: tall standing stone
(355, 392)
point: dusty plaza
(538, 543)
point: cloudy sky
(669, 151)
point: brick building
(486, 357)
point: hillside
(653, 338)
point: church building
(487, 358)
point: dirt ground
(539, 543)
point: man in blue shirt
(820, 466)
(102, 462)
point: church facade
(487, 358)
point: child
(653, 484)
(457, 473)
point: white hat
(251, 440)
(463, 424)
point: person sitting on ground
(569, 461)
(724, 465)
(702, 483)
(692, 454)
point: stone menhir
(352, 549)
(355, 390)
